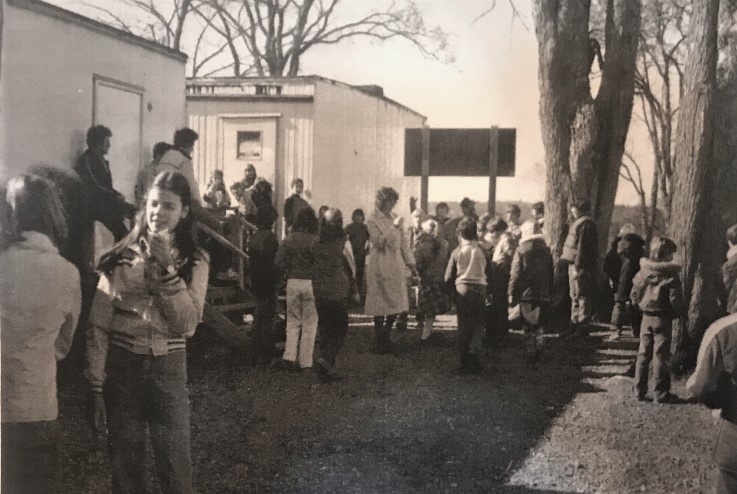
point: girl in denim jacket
(149, 300)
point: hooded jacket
(531, 278)
(657, 289)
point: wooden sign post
(425, 172)
(493, 165)
(488, 152)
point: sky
(492, 82)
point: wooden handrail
(222, 240)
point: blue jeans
(147, 391)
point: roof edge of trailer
(228, 81)
(62, 14)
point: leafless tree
(277, 33)
(631, 172)
(584, 135)
(183, 25)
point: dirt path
(408, 424)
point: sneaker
(642, 398)
(616, 336)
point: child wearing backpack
(657, 291)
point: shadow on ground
(393, 424)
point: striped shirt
(126, 314)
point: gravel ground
(406, 423)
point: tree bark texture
(614, 107)
(562, 34)
(694, 177)
(583, 138)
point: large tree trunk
(584, 138)
(694, 177)
(614, 107)
(563, 71)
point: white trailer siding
(359, 147)
(50, 59)
(294, 152)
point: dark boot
(379, 335)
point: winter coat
(657, 289)
(126, 314)
(262, 247)
(531, 278)
(714, 382)
(39, 307)
(729, 281)
(581, 245)
(386, 288)
(613, 264)
(431, 255)
(629, 251)
(333, 274)
(292, 207)
(504, 250)
(296, 256)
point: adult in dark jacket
(630, 249)
(109, 206)
(531, 286)
(581, 251)
(294, 204)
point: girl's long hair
(306, 221)
(331, 226)
(183, 239)
(35, 205)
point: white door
(249, 140)
(118, 106)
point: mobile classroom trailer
(61, 72)
(344, 141)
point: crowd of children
(152, 285)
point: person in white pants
(296, 259)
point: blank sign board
(459, 152)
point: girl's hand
(160, 251)
(99, 414)
(399, 221)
